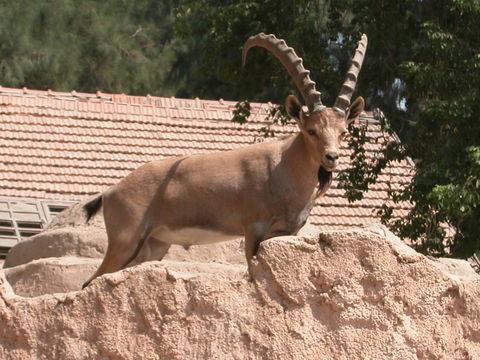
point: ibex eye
(311, 132)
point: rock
(61, 275)
(50, 275)
(337, 295)
(458, 270)
(228, 252)
(89, 242)
(75, 216)
(309, 231)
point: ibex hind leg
(120, 252)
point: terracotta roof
(65, 146)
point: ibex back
(260, 191)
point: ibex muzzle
(260, 191)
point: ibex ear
(294, 109)
(355, 109)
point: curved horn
(292, 63)
(343, 99)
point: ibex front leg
(254, 235)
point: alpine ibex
(259, 191)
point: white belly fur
(191, 236)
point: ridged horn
(292, 63)
(343, 99)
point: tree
(422, 69)
(211, 67)
(442, 90)
(86, 45)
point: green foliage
(112, 46)
(242, 112)
(212, 33)
(443, 81)
(364, 171)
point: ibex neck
(299, 161)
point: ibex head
(322, 127)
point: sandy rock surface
(70, 241)
(50, 275)
(74, 216)
(337, 295)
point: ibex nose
(331, 158)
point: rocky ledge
(334, 295)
